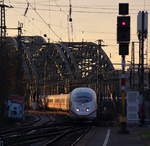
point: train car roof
(52, 95)
(82, 90)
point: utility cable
(107, 7)
(45, 22)
(70, 18)
(87, 12)
(26, 9)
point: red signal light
(123, 23)
(123, 28)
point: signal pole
(142, 31)
(132, 73)
(142, 35)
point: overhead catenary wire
(81, 7)
(70, 20)
(26, 17)
(76, 30)
(29, 20)
(75, 11)
(107, 7)
(26, 10)
(59, 7)
(91, 31)
(49, 14)
(82, 11)
(99, 7)
(112, 33)
(104, 9)
(49, 26)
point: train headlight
(87, 109)
(77, 109)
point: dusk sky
(91, 20)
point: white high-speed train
(81, 103)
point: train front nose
(81, 110)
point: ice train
(81, 103)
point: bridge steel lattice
(54, 68)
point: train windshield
(83, 97)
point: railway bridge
(54, 68)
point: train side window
(50, 100)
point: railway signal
(123, 49)
(123, 39)
(123, 8)
(123, 29)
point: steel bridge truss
(54, 68)
(66, 64)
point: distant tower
(3, 21)
(3, 68)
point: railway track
(21, 128)
(35, 135)
(48, 135)
(43, 132)
(66, 135)
(69, 137)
